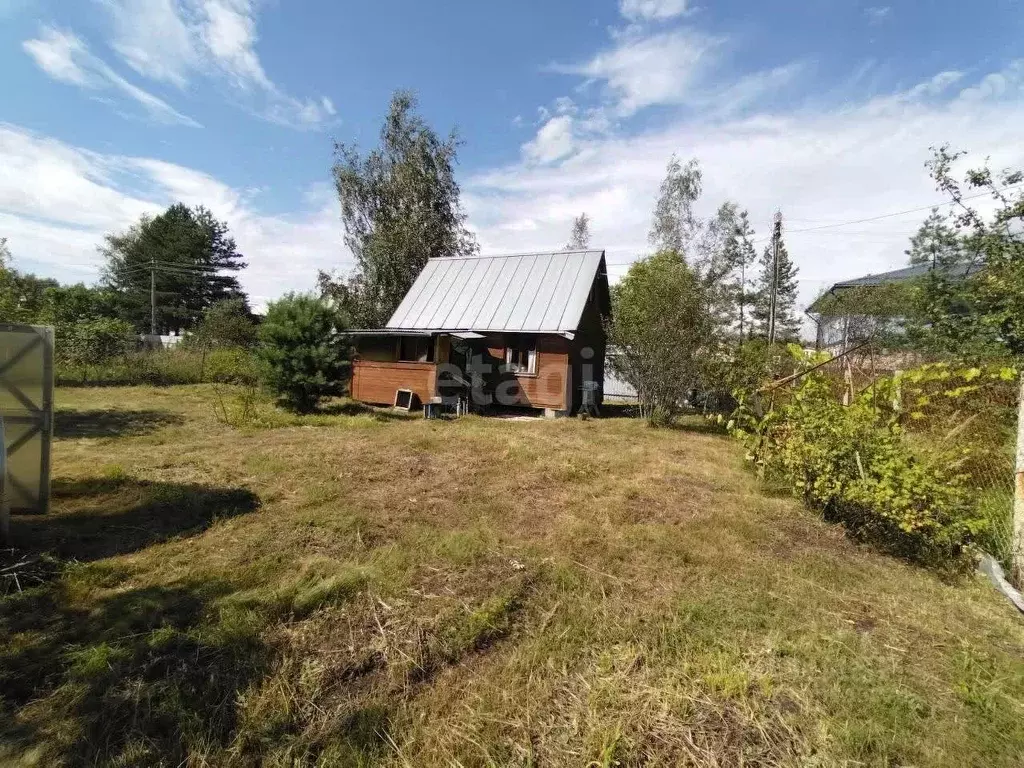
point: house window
(416, 349)
(521, 357)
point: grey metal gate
(26, 403)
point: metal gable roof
(904, 274)
(531, 292)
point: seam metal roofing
(531, 292)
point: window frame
(520, 347)
(415, 341)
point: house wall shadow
(99, 518)
(111, 423)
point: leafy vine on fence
(903, 465)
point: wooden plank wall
(546, 389)
(376, 382)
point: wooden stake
(1017, 565)
(5, 505)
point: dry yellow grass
(359, 588)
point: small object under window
(521, 357)
(404, 399)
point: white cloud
(819, 165)
(651, 10)
(174, 40)
(748, 90)
(228, 28)
(877, 14)
(57, 201)
(642, 70)
(153, 39)
(553, 141)
(64, 57)
(1006, 84)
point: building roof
(901, 275)
(530, 292)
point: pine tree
(189, 250)
(787, 324)
(741, 287)
(302, 350)
(936, 243)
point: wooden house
(490, 332)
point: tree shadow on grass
(94, 673)
(98, 518)
(145, 676)
(620, 409)
(111, 423)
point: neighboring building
(852, 310)
(523, 330)
(615, 387)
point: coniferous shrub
(303, 351)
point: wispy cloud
(65, 58)
(553, 141)
(642, 70)
(817, 163)
(652, 10)
(58, 200)
(877, 14)
(176, 40)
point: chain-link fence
(965, 415)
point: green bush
(163, 367)
(232, 366)
(303, 353)
(872, 467)
(226, 324)
(90, 344)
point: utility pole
(773, 295)
(152, 297)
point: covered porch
(481, 371)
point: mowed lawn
(362, 588)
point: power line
(898, 213)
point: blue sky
(826, 110)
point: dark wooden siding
(547, 388)
(591, 335)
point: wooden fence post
(5, 506)
(1017, 565)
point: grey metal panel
(532, 286)
(562, 291)
(496, 295)
(401, 313)
(536, 292)
(545, 295)
(478, 298)
(436, 292)
(579, 292)
(454, 318)
(425, 287)
(456, 285)
(514, 294)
